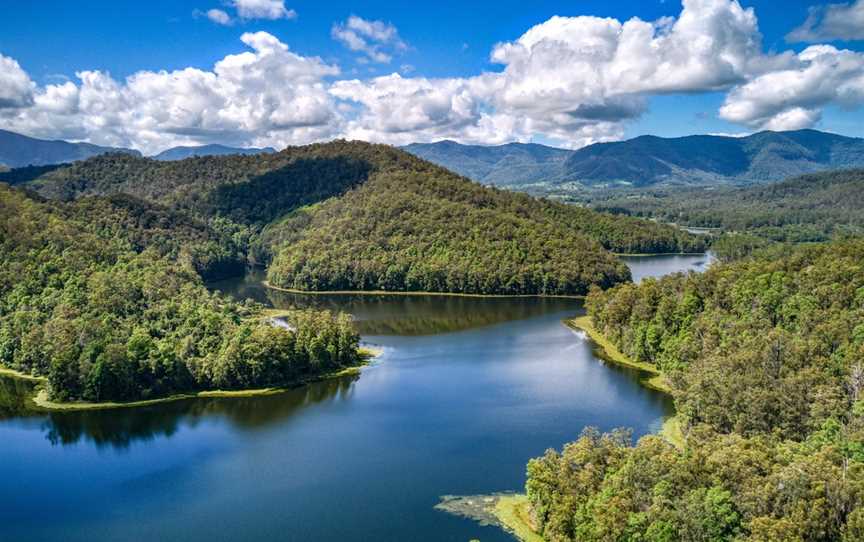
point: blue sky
(51, 41)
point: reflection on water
(14, 397)
(398, 314)
(467, 391)
(120, 428)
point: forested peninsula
(104, 320)
(764, 360)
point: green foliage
(813, 207)
(86, 301)
(722, 488)
(417, 227)
(764, 344)
(422, 228)
(766, 360)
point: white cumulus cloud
(267, 95)
(832, 22)
(378, 40)
(16, 88)
(794, 97)
(218, 16)
(263, 9)
(570, 81)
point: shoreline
(607, 351)
(267, 284)
(650, 254)
(12, 373)
(671, 429)
(511, 511)
(42, 403)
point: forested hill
(424, 228)
(248, 189)
(766, 362)
(651, 160)
(810, 207)
(96, 298)
(352, 215)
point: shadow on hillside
(26, 174)
(271, 195)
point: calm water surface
(467, 391)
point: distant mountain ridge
(18, 150)
(503, 165)
(651, 160)
(179, 153)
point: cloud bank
(570, 80)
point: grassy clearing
(513, 512)
(673, 432)
(12, 373)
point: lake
(465, 392)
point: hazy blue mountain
(764, 156)
(511, 164)
(651, 160)
(179, 153)
(18, 150)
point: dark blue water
(466, 392)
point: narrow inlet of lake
(466, 392)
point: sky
(155, 74)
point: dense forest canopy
(812, 207)
(765, 357)
(352, 215)
(95, 296)
(426, 229)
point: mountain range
(179, 153)
(651, 160)
(641, 161)
(17, 150)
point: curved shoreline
(605, 350)
(42, 403)
(267, 284)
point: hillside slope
(423, 228)
(501, 165)
(373, 217)
(18, 150)
(105, 319)
(805, 208)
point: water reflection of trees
(15, 396)
(425, 315)
(121, 428)
(400, 314)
